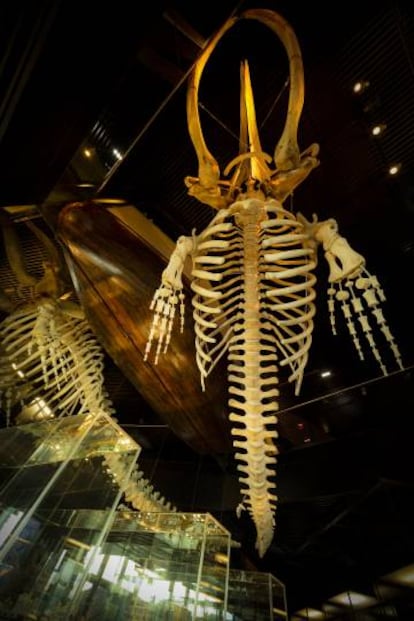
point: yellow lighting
(117, 154)
(325, 374)
(221, 558)
(85, 185)
(377, 130)
(394, 169)
(311, 613)
(403, 576)
(351, 598)
(109, 201)
(87, 153)
(360, 86)
(77, 544)
(210, 586)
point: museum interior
(101, 174)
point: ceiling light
(351, 598)
(360, 86)
(403, 576)
(109, 201)
(377, 130)
(87, 153)
(117, 154)
(394, 169)
(326, 374)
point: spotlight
(377, 130)
(394, 169)
(360, 86)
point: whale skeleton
(253, 278)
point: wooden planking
(115, 275)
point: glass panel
(155, 566)
(56, 504)
(279, 603)
(213, 582)
(255, 596)
(46, 564)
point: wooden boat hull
(115, 272)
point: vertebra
(52, 360)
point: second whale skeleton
(52, 365)
(253, 279)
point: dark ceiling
(78, 76)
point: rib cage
(253, 297)
(52, 359)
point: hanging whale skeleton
(252, 277)
(51, 364)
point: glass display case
(159, 566)
(57, 501)
(67, 553)
(255, 596)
